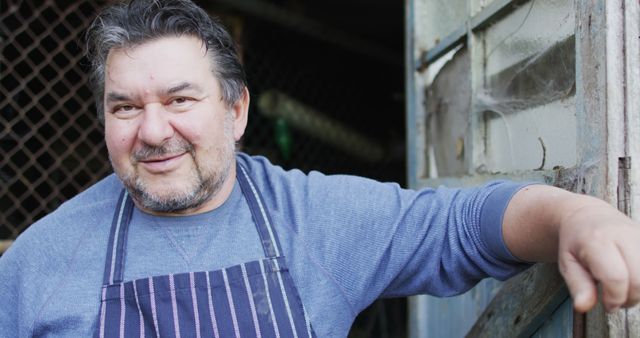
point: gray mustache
(168, 148)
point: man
(189, 238)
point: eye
(124, 109)
(180, 100)
(180, 103)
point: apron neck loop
(114, 264)
(267, 232)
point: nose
(155, 127)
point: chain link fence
(51, 143)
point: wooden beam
(523, 304)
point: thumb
(580, 283)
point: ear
(240, 111)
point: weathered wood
(579, 325)
(448, 102)
(632, 87)
(522, 304)
(559, 324)
(633, 322)
(591, 91)
(596, 323)
(591, 111)
(607, 81)
(571, 179)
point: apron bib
(252, 299)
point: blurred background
(327, 93)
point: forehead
(168, 59)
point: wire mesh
(51, 143)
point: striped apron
(253, 299)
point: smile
(163, 164)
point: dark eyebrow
(113, 96)
(183, 86)
(116, 97)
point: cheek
(194, 129)
(119, 139)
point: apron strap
(114, 263)
(113, 269)
(268, 236)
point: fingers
(581, 286)
(613, 264)
(600, 245)
(612, 272)
(632, 257)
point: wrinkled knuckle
(634, 292)
(587, 253)
(613, 303)
(600, 235)
(634, 286)
(616, 279)
(616, 287)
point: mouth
(161, 164)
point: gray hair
(126, 25)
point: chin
(169, 190)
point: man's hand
(598, 244)
(593, 243)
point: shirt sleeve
(17, 304)
(379, 240)
(9, 315)
(491, 218)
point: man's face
(169, 134)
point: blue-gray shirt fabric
(347, 240)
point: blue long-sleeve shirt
(347, 240)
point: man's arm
(592, 242)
